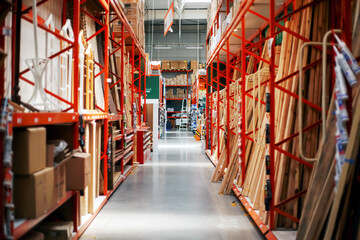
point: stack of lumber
(345, 202)
(291, 177)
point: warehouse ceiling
(193, 17)
(189, 4)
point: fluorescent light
(194, 47)
(162, 47)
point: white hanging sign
(169, 19)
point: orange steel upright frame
(252, 46)
(71, 114)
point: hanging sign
(169, 19)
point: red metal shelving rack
(231, 56)
(71, 114)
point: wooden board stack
(291, 177)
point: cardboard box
(50, 148)
(59, 182)
(174, 64)
(183, 65)
(33, 194)
(78, 172)
(56, 230)
(33, 235)
(165, 65)
(29, 147)
(194, 64)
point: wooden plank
(92, 151)
(320, 173)
(98, 160)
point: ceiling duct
(179, 6)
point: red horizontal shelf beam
(126, 160)
(128, 150)
(94, 116)
(175, 117)
(35, 119)
(178, 85)
(174, 98)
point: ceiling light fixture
(194, 47)
(160, 47)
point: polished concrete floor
(171, 197)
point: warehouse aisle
(171, 197)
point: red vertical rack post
(132, 86)
(218, 107)
(106, 6)
(139, 91)
(228, 82)
(144, 86)
(122, 86)
(212, 125)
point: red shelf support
(71, 114)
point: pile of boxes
(180, 65)
(134, 12)
(224, 22)
(178, 80)
(176, 93)
(174, 65)
(41, 180)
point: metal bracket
(323, 97)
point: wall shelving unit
(110, 11)
(170, 86)
(242, 38)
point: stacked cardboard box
(56, 230)
(41, 180)
(165, 65)
(178, 80)
(34, 187)
(174, 65)
(194, 65)
(170, 93)
(224, 21)
(176, 93)
(183, 65)
(202, 66)
(134, 12)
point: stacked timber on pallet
(291, 177)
